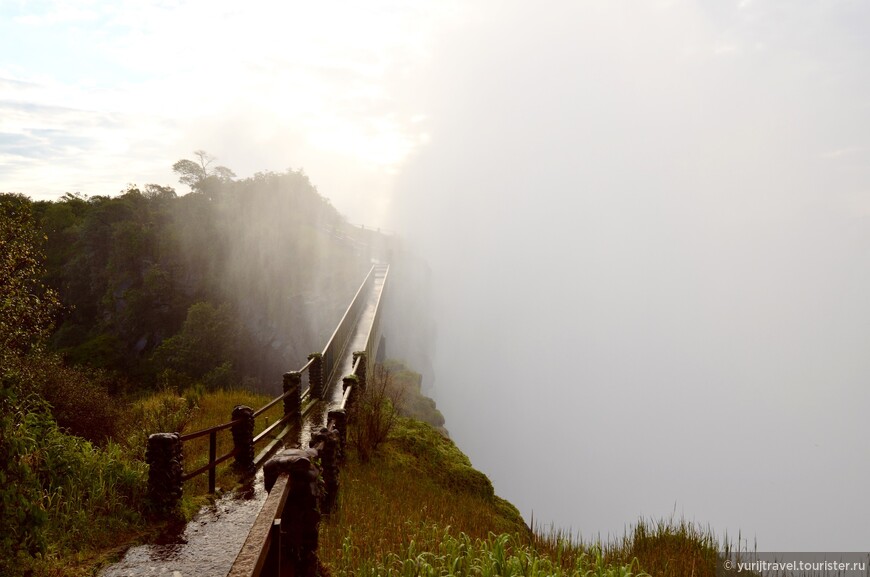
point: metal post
(212, 457)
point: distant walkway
(357, 342)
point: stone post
(361, 367)
(293, 402)
(339, 418)
(315, 375)
(327, 444)
(300, 520)
(165, 461)
(243, 437)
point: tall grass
(88, 497)
(194, 410)
(663, 548)
(442, 552)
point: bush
(374, 414)
(440, 459)
(408, 385)
(79, 398)
(22, 519)
(57, 488)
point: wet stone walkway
(206, 547)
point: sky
(646, 221)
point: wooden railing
(280, 541)
(334, 348)
(289, 483)
(165, 450)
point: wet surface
(210, 542)
(334, 391)
(207, 546)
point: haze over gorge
(640, 229)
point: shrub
(440, 459)
(57, 488)
(374, 414)
(408, 385)
(79, 398)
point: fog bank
(648, 236)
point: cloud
(316, 85)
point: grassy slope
(418, 507)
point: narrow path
(209, 543)
(357, 342)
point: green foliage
(57, 491)
(374, 413)
(442, 553)
(128, 269)
(22, 519)
(408, 386)
(26, 306)
(664, 548)
(439, 458)
(196, 174)
(64, 493)
(202, 349)
(79, 398)
(161, 412)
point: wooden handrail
(353, 311)
(269, 429)
(208, 466)
(329, 357)
(205, 432)
(250, 560)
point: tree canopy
(195, 173)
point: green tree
(196, 173)
(27, 307)
(205, 347)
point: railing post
(165, 460)
(328, 464)
(212, 456)
(293, 402)
(243, 437)
(359, 358)
(301, 517)
(351, 381)
(315, 375)
(339, 418)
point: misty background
(649, 240)
(644, 224)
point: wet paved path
(209, 543)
